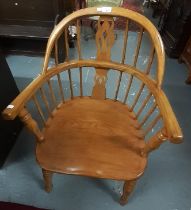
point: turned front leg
(47, 175)
(155, 141)
(31, 124)
(127, 189)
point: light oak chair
(93, 134)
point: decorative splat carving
(105, 38)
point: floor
(165, 185)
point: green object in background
(103, 3)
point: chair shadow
(105, 188)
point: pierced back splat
(104, 41)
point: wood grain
(103, 143)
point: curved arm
(173, 130)
(13, 109)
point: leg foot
(47, 175)
(188, 80)
(127, 189)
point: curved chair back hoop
(143, 22)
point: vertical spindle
(44, 98)
(143, 104)
(51, 93)
(39, 109)
(118, 85)
(151, 110)
(152, 124)
(79, 53)
(125, 42)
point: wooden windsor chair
(91, 133)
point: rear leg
(47, 175)
(127, 189)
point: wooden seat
(95, 116)
(88, 132)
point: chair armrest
(14, 108)
(173, 130)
